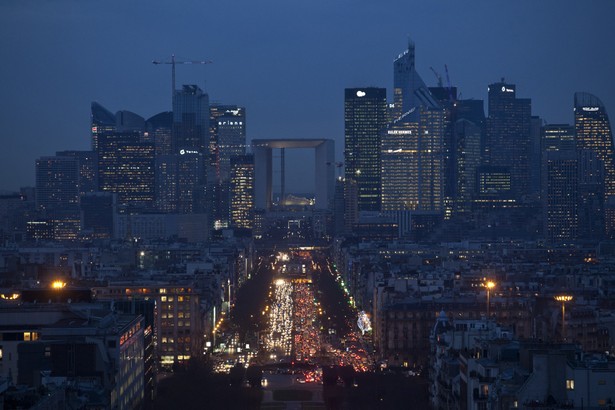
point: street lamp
(58, 284)
(563, 299)
(489, 285)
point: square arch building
(324, 174)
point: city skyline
(285, 74)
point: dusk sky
(287, 62)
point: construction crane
(438, 76)
(172, 61)
(448, 83)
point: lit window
(569, 384)
(27, 336)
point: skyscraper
(561, 200)
(191, 143)
(230, 138)
(126, 167)
(594, 141)
(227, 136)
(508, 135)
(535, 157)
(413, 145)
(127, 121)
(227, 139)
(467, 153)
(98, 211)
(190, 181)
(57, 196)
(365, 115)
(88, 169)
(432, 159)
(447, 100)
(593, 133)
(102, 121)
(242, 191)
(409, 90)
(400, 166)
(191, 119)
(591, 196)
(412, 163)
(158, 130)
(558, 137)
(57, 183)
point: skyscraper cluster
(427, 160)
(432, 154)
(174, 163)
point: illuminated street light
(489, 285)
(58, 284)
(563, 299)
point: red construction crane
(172, 61)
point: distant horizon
(288, 64)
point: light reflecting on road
(279, 340)
(307, 340)
(294, 331)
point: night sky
(287, 62)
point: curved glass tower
(593, 132)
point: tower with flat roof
(365, 117)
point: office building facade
(126, 167)
(593, 133)
(508, 135)
(227, 139)
(242, 191)
(191, 144)
(101, 121)
(57, 183)
(561, 175)
(365, 116)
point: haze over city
(287, 62)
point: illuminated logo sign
(507, 90)
(187, 151)
(591, 109)
(360, 93)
